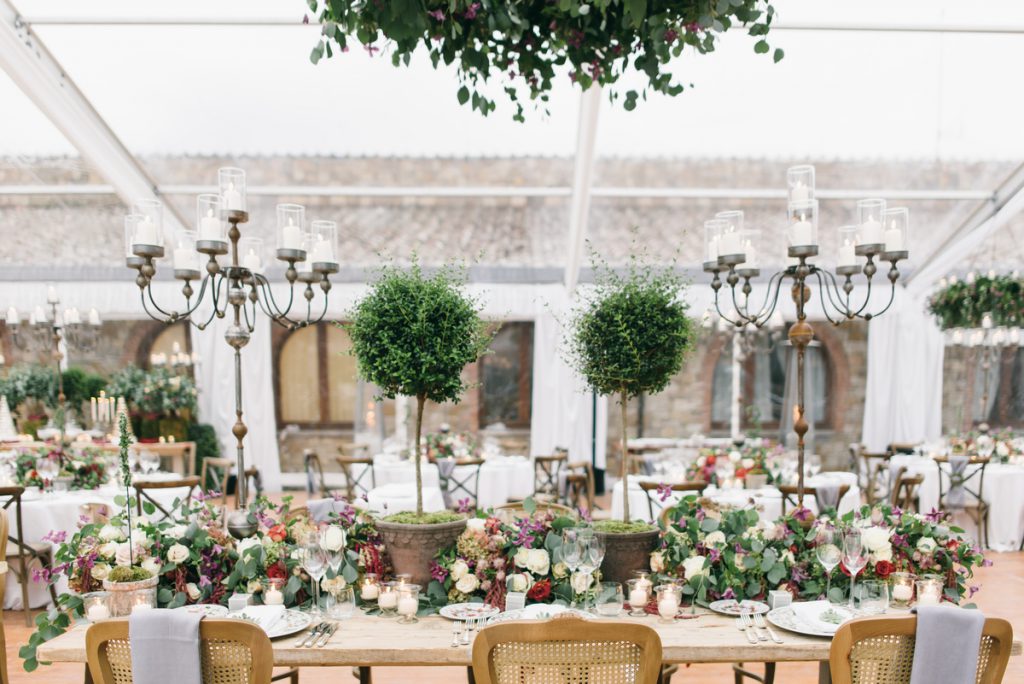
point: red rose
(540, 591)
(884, 568)
(277, 533)
(277, 571)
(711, 460)
(953, 544)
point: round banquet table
(1004, 483)
(401, 496)
(501, 477)
(60, 511)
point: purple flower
(714, 554)
(972, 590)
(728, 593)
(470, 12)
(204, 581)
(935, 516)
(465, 505)
(664, 492)
(802, 514)
(584, 514)
(798, 574)
(438, 572)
(55, 536)
(437, 14)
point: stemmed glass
(854, 557)
(572, 552)
(314, 562)
(828, 553)
(588, 564)
(595, 549)
(334, 556)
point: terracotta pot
(755, 480)
(625, 552)
(411, 548)
(122, 594)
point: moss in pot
(412, 335)
(629, 338)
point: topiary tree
(631, 336)
(413, 334)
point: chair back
(213, 476)
(232, 652)
(463, 482)
(516, 510)
(790, 496)
(142, 490)
(357, 485)
(695, 486)
(880, 650)
(875, 472)
(546, 470)
(972, 479)
(904, 490)
(316, 485)
(579, 485)
(567, 649)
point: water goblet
(314, 562)
(854, 557)
(828, 554)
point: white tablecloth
(401, 496)
(1003, 491)
(501, 478)
(60, 511)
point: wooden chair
(24, 552)
(218, 471)
(316, 485)
(695, 486)
(182, 454)
(355, 486)
(233, 652)
(4, 529)
(880, 650)
(142, 489)
(789, 496)
(515, 510)
(973, 482)
(567, 649)
(875, 473)
(546, 472)
(464, 485)
(579, 486)
(904, 490)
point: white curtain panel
(904, 387)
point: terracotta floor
(1002, 595)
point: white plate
(291, 622)
(205, 609)
(735, 608)
(538, 612)
(800, 618)
(468, 611)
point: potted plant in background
(413, 335)
(630, 337)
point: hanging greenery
(962, 303)
(525, 44)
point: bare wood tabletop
(377, 641)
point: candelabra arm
(269, 304)
(892, 298)
(824, 284)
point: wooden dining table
(366, 641)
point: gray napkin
(946, 648)
(165, 642)
(827, 496)
(956, 497)
(320, 509)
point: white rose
(694, 566)
(538, 561)
(333, 538)
(177, 554)
(737, 560)
(176, 531)
(475, 524)
(926, 545)
(519, 582)
(788, 558)
(139, 521)
(875, 538)
(244, 545)
(459, 570)
(735, 456)
(747, 463)
(468, 584)
(522, 557)
(1002, 449)
(193, 591)
(702, 461)
(152, 565)
(123, 555)
(560, 570)
(100, 571)
(715, 538)
(253, 587)
(581, 582)
(108, 550)
(110, 533)
(658, 562)
(883, 554)
(145, 542)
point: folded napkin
(810, 613)
(164, 642)
(266, 617)
(827, 496)
(956, 497)
(320, 509)
(946, 649)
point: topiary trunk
(625, 461)
(420, 401)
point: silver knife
(328, 633)
(313, 633)
(763, 624)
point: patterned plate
(205, 609)
(538, 612)
(732, 607)
(786, 618)
(291, 622)
(468, 611)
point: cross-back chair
(359, 475)
(464, 480)
(790, 496)
(217, 470)
(650, 490)
(905, 490)
(516, 510)
(972, 479)
(880, 650)
(546, 472)
(143, 489)
(873, 477)
(579, 485)
(316, 484)
(24, 552)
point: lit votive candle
(902, 588)
(929, 591)
(273, 597)
(669, 598)
(97, 611)
(408, 602)
(369, 590)
(387, 599)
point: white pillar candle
(183, 259)
(273, 597)
(801, 233)
(93, 409)
(893, 239)
(902, 592)
(145, 232)
(750, 252)
(98, 611)
(799, 193)
(322, 252)
(12, 316)
(638, 598)
(713, 249)
(209, 227)
(387, 600)
(927, 599)
(94, 317)
(408, 606)
(667, 608)
(369, 592)
(252, 262)
(870, 232)
(847, 255)
(51, 295)
(291, 236)
(231, 199)
(730, 244)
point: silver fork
(742, 626)
(332, 627)
(763, 624)
(313, 634)
(456, 633)
(751, 628)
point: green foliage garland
(413, 334)
(632, 336)
(961, 304)
(525, 43)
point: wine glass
(828, 552)
(314, 562)
(572, 551)
(587, 564)
(854, 557)
(149, 462)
